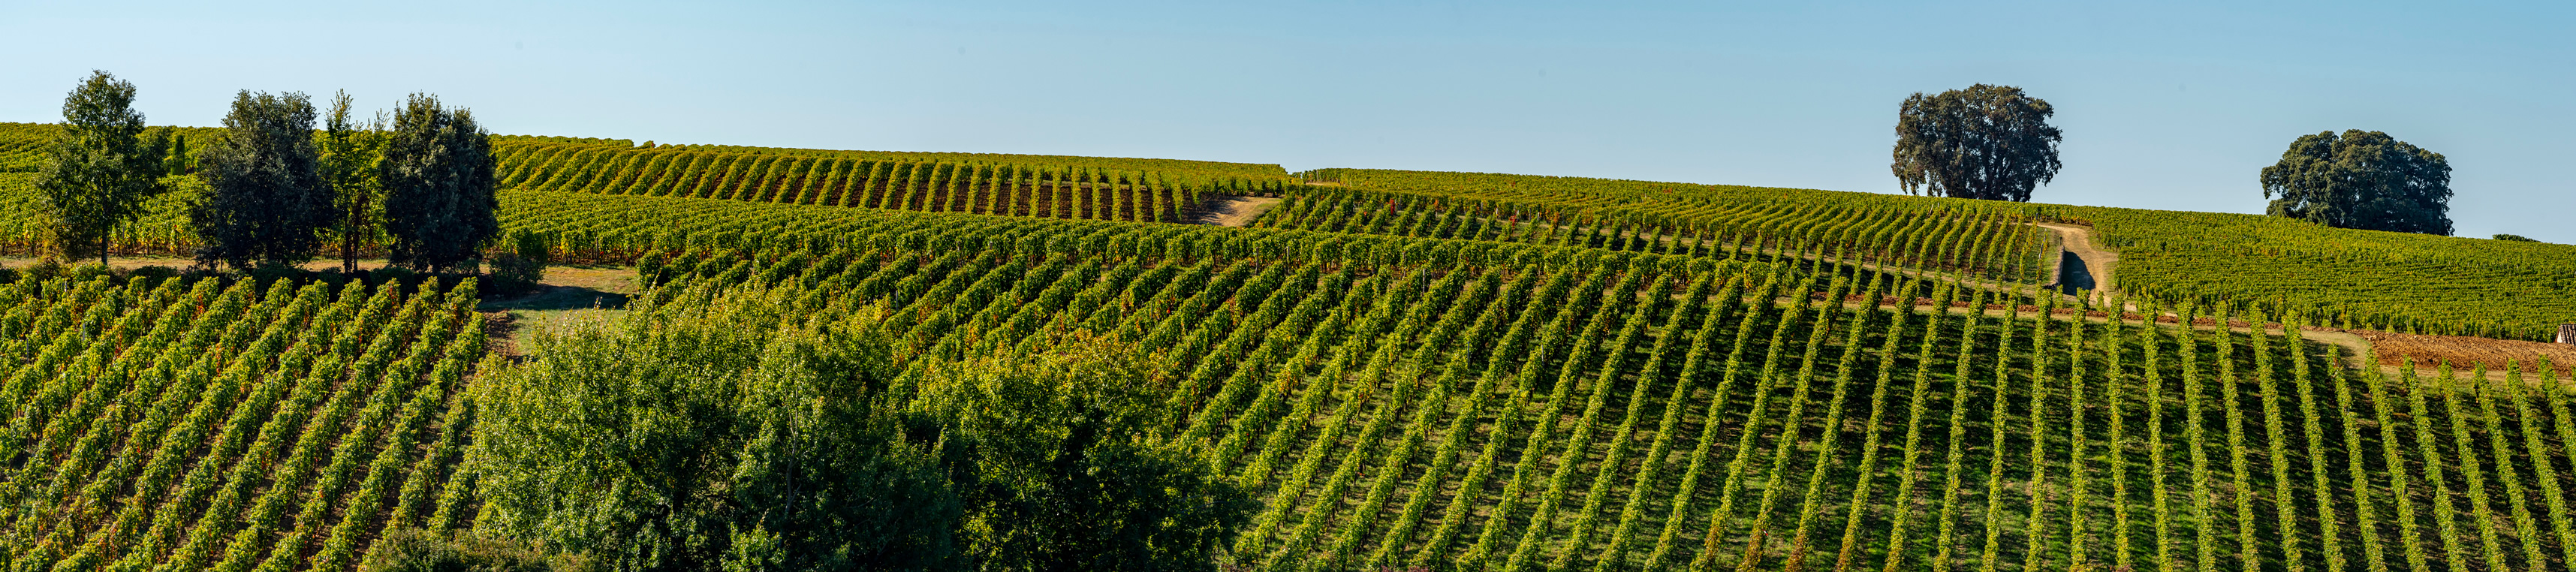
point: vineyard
(198, 424)
(1131, 190)
(2351, 278)
(1451, 371)
(1596, 414)
(22, 145)
(2389, 281)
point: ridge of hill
(2359, 279)
(2399, 282)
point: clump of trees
(419, 180)
(2361, 179)
(675, 439)
(1989, 142)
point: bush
(416, 550)
(698, 436)
(2514, 238)
(512, 274)
(42, 270)
(271, 273)
(157, 273)
(392, 274)
(528, 245)
(86, 272)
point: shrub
(153, 272)
(85, 272)
(392, 274)
(512, 274)
(416, 550)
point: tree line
(419, 179)
(1994, 142)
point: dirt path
(2083, 265)
(1233, 210)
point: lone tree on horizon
(1987, 142)
(99, 170)
(2363, 180)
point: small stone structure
(2567, 333)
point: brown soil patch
(2466, 352)
(1234, 210)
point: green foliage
(439, 188)
(2514, 238)
(352, 153)
(1054, 187)
(1065, 476)
(2402, 282)
(1968, 238)
(2064, 395)
(521, 264)
(419, 550)
(237, 424)
(98, 171)
(266, 202)
(2361, 179)
(678, 438)
(1987, 142)
(688, 442)
(178, 162)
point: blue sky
(2170, 105)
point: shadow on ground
(2072, 275)
(558, 298)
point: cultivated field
(1448, 370)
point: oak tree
(2361, 179)
(1987, 142)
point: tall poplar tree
(439, 188)
(99, 170)
(351, 150)
(265, 201)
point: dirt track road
(1235, 211)
(2093, 264)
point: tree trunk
(349, 245)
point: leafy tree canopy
(351, 152)
(1066, 473)
(1987, 142)
(674, 438)
(2361, 179)
(99, 169)
(439, 187)
(2515, 238)
(266, 203)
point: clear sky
(2171, 105)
